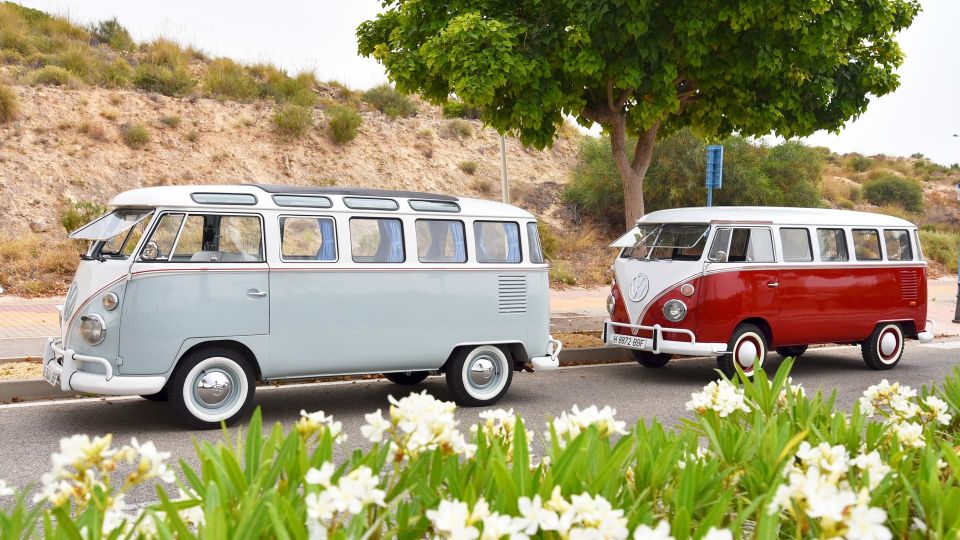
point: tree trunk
(632, 169)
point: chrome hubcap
(888, 343)
(482, 372)
(747, 354)
(213, 388)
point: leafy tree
(895, 190)
(644, 68)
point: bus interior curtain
(478, 239)
(391, 241)
(327, 251)
(459, 243)
(513, 242)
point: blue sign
(715, 166)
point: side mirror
(719, 256)
(150, 252)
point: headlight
(110, 301)
(611, 303)
(93, 329)
(674, 310)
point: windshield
(110, 225)
(670, 241)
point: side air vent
(908, 285)
(512, 297)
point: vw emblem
(638, 288)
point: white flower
(453, 519)
(910, 434)
(359, 488)
(322, 476)
(889, 399)
(660, 532)
(568, 426)
(720, 396)
(536, 516)
(5, 490)
(54, 492)
(352, 493)
(316, 422)
(795, 390)
(873, 465)
(375, 427)
(114, 517)
(594, 517)
(423, 423)
(152, 462)
(194, 515)
(938, 410)
(700, 456)
(867, 523)
(81, 453)
(718, 534)
(826, 458)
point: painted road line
(943, 345)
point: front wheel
(406, 378)
(649, 359)
(212, 385)
(479, 376)
(748, 349)
(884, 348)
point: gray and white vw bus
(196, 293)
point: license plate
(51, 376)
(628, 341)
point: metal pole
(503, 170)
(956, 313)
(710, 197)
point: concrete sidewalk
(26, 323)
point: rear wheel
(791, 352)
(478, 376)
(748, 349)
(884, 348)
(649, 359)
(406, 377)
(211, 385)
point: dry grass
(21, 370)
(469, 166)
(37, 265)
(483, 186)
(579, 255)
(9, 104)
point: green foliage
(549, 242)
(9, 104)
(468, 166)
(135, 135)
(171, 121)
(457, 128)
(859, 163)
(285, 89)
(788, 174)
(343, 123)
(112, 33)
(390, 102)
(163, 80)
(226, 79)
(561, 273)
(51, 76)
(940, 247)
(891, 189)
(292, 121)
(457, 109)
(78, 213)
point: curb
(30, 390)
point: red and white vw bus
(735, 282)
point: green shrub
(389, 101)
(9, 104)
(163, 80)
(113, 34)
(343, 123)
(457, 128)
(226, 79)
(285, 89)
(171, 121)
(469, 166)
(940, 247)
(292, 120)
(895, 190)
(51, 76)
(595, 186)
(457, 109)
(549, 241)
(135, 135)
(78, 213)
(116, 74)
(560, 273)
(79, 60)
(859, 163)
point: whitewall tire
(479, 376)
(884, 348)
(212, 385)
(748, 349)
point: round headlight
(110, 301)
(93, 329)
(674, 310)
(611, 303)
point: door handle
(253, 293)
(773, 284)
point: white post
(503, 170)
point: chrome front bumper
(657, 344)
(63, 362)
(551, 360)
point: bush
(484, 186)
(343, 123)
(940, 247)
(135, 135)
(859, 163)
(457, 128)
(171, 121)
(113, 34)
(226, 79)
(163, 80)
(78, 213)
(894, 190)
(756, 458)
(560, 273)
(51, 76)
(9, 104)
(468, 166)
(457, 109)
(292, 120)
(116, 74)
(389, 101)
(275, 83)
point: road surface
(31, 431)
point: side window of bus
(376, 240)
(742, 244)
(206, 238)
(441, 241)
(308, 239)
(866, 244)
(536, 249)
(916, 242)
(160, 245)
(796, 245)
(833, 245)
(897, 242)
(497, 241)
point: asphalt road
(29, 432)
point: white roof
(774, 215)
(180, 197)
